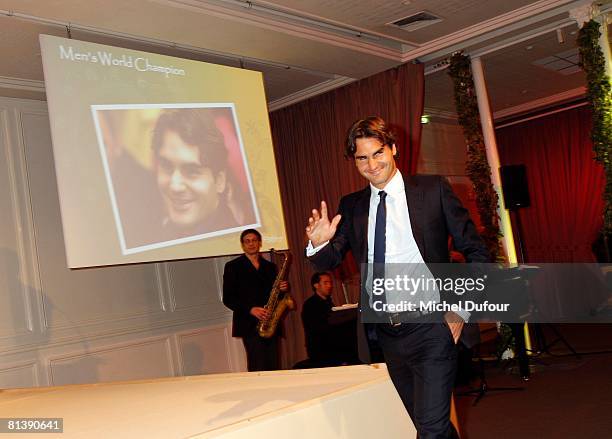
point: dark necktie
(380, 238)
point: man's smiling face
(375, 161)
(189, 189)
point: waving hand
(319, 228)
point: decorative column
(586, 13)
(488, 132)
(605, 19)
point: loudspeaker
(514, 185)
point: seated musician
(330, 335)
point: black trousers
(422, 362)
(262, 353)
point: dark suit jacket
(435, 213)
(330, 335)
(245, 287)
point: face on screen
(190, 190)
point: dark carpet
(565, 397)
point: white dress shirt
(401, 247)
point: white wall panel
(139, 360)
(205, 351)
(237, 353)
(20, 375)
(194, 283)
(15, 298)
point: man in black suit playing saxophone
(247, 283)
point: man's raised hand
(319, 228)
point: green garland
(477, 167)
(593, 63)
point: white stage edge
(342, 402)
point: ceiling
(306, 47)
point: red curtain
(309, 144)
(565, 185)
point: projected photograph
(175, 173)
(159, 164)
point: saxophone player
(247, 282)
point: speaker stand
(519, 233)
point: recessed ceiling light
(528, 47)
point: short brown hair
(249, 232)
(317, 277)
(195, 126)
(370, 127)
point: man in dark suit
(330, 335)
(247, 282)
(404, 220)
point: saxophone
(278, 302)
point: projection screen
(157, 158)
